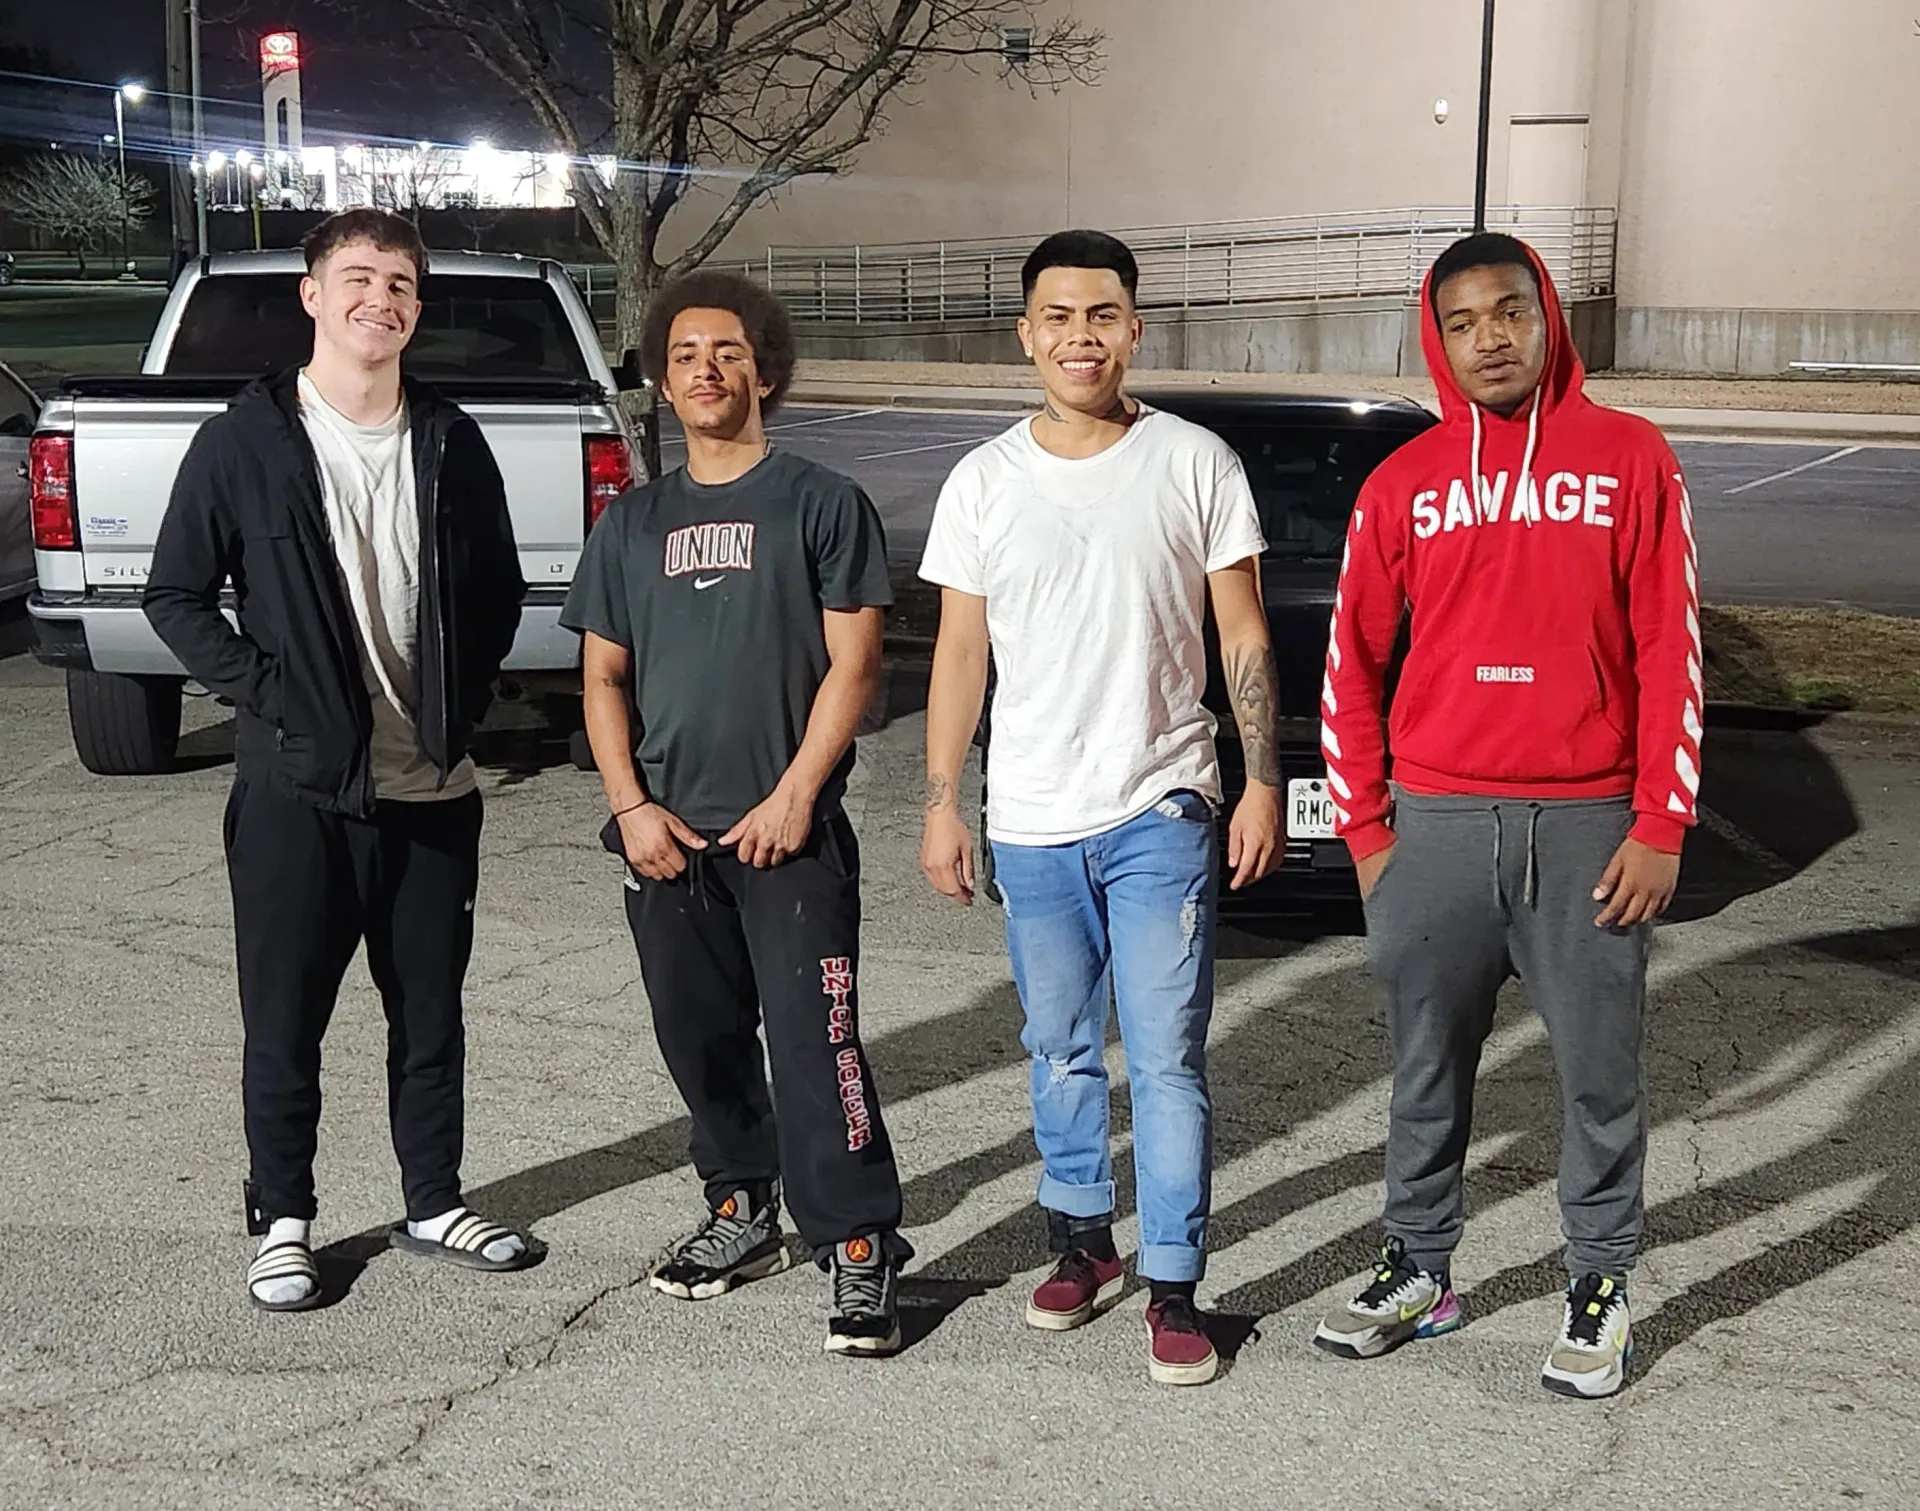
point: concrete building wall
(1762, 153)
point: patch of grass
(1819, 659)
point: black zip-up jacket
(246, 507)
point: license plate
(1309, 809)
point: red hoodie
(1555, 610)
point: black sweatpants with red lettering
(725, 949)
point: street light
(129, 93)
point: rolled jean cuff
(1171, 1261)
(1095, 1200)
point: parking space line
(1775, 477)
(972, 440)
(830, 419)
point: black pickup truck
(1306, 457)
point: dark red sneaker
(1079, 1286)
(1179, 1352)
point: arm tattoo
(940, 794)
(1254, 690)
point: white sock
(291, 1287)
(435, 1228)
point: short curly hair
(388, 233)
(769, 327)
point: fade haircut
(1487, 249)
(388, 233)
(768, 325)
(1081, 249)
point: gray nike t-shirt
(718, 592)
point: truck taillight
(609, 473)
(50, 485)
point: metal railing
(1365, 254)
(1372, 254)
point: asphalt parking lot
(1781, 524)
(1773, 1308)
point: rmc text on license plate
(1309, 809)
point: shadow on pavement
(16, 630)
(1765, 1037)
(924, 1056)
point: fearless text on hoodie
(1547, 561)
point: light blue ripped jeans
(1136, 907)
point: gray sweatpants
(1480, 889)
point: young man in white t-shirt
(1084, 546)
(363, 525)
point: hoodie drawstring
(1521, 501)
(1525, 486)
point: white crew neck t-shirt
(373, 515)
(1095, 577)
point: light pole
(127, 94)
(1486, 118)
(259, 173)
(216, 163)
(199, 123)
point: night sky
(364, 75)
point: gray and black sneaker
(865, 1319)
(739, 1241)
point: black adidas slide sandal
(464, 1244)
(291, 1260)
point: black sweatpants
(308, 886)
(725, 947)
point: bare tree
(739, 96)
(419, 177)
(78, 202)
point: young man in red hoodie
(1546, 762)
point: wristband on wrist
(633, 808)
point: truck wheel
(581, 752)
(124, 726)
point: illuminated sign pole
(280, 97)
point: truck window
(471, 326)
(1305, 481)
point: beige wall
(1772, 155)
(1763, 154)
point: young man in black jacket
(363, 524)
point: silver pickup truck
(507, 338)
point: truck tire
(580, 751)
(124, 726)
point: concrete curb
(1782, 426)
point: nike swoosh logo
(701, 584)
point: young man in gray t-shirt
(734, 609)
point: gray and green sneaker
(1399, 1302)
(739, 1241)
(865, 1319)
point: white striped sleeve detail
(1327, 697)
(1678, 804)
(1339, 785)
(1329, 741)
(1689, 773)
(1690, 721)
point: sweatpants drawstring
(1532, 884)
(1499, 891)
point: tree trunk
(80, 256)
(636, 277)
